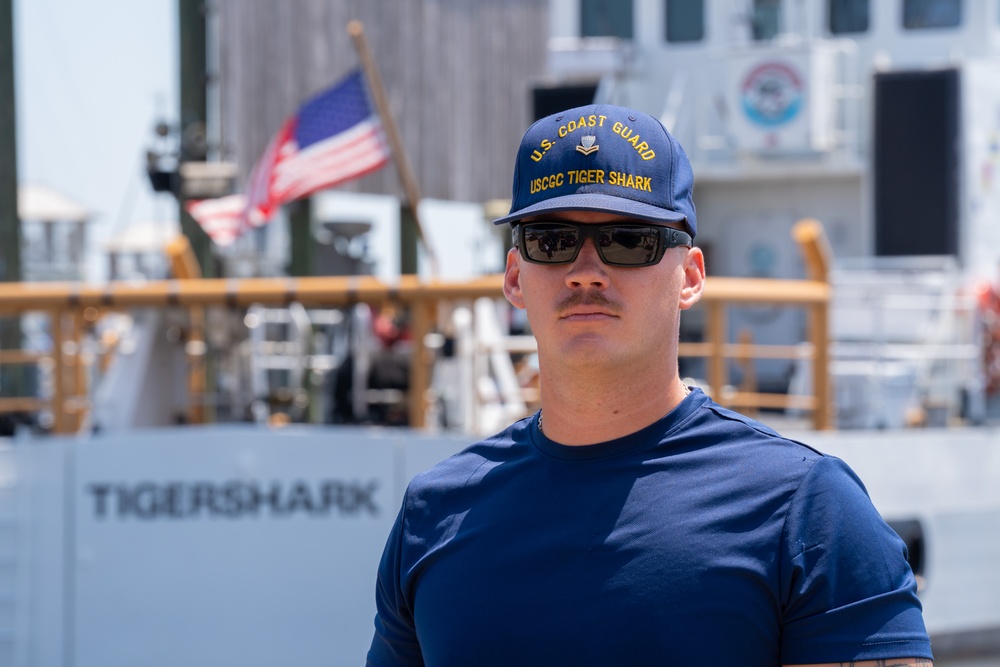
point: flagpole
(406, 176)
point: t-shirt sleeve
(847, 592)
(395, 642)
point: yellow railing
(73, 307)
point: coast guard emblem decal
(587, 144)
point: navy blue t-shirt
(704, 539)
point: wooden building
(458, 75)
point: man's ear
(512, 279)
(694, 278)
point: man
(632, 521)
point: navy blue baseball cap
(603, 158)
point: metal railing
(74, 308)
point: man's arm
(891, 662)
(846, 587)
(395, 640)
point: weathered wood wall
(457, 74)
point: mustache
(596, 299)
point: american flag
(334, 137)
(221, 218)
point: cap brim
(593, 201)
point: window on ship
(766, 19)
(685, 20)
(925, 14)
(848, 16)
(606, 18)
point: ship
(209, 468)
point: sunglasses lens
(628, 246)
(620, 245)
(551, 243)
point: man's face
(589, 314)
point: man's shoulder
(722, 424)
(475, 460)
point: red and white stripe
(221, 218)
(260, 202)
(359, 151)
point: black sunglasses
(618, 244)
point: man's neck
(579, 411)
